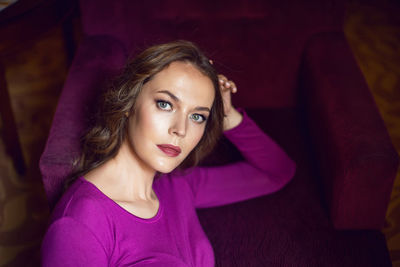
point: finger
(211, 62)
(223, 81)
(233, 87)
(229, 84)
(222, 77)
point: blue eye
(198, 118)
(164, 105)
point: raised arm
(266, 168)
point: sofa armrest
(353, 150)
(98, 58)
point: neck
(129, 177)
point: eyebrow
(174, 97)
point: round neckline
(148, 220)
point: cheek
(142, 128)
(149, 122)
(152, 123)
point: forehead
(184, 81)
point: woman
(133, 202)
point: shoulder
(83, 204)
(179, 181)
(80, 199)
(175, 180)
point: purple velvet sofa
(298, 79)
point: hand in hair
(232, 116)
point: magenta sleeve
(70, 243)
(266, 169)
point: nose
(178, 126)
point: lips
(170, 150)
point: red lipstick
(170, 150)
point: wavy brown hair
(103, 140)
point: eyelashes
(164, 105)
(198, 118)
(167, 106)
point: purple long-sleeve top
(87, 228)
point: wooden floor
(374, 36)
(35, 78)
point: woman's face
(170, 116)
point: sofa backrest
(257, 43)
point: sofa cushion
(292, 226)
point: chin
(165, 166)
(165, 170)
